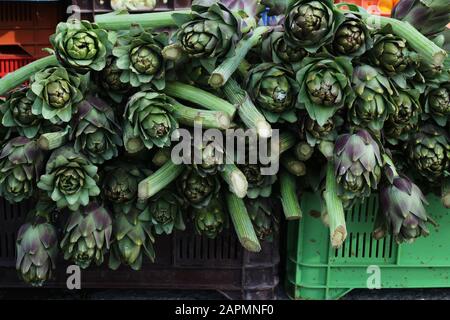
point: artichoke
(373, 102)
(274, 48)
(139, 57)
(70, 179)
(81, 45)
(405, 117)
(274, 90)
(402, 206)
(392, 55)
(429, 153)
(87, 235)
(358, 163)
(352, 38)
(58, 92)
(191, 72)
(324, 86)
(313, 133)
(95, 132)
(165, 211)
(210, 158)
(264, 219)
(21, 162)
(37, 249)
(196, 190)
(210, 31)
(437, 103)
(17, 113)
(109, 81)
(148, 121)
(132, 236)
(119, 184)
(311, 24)
(259, 185)
(429, 17)
(210, 220)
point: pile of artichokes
(90, 137)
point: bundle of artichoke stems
(358, 101)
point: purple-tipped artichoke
(87, 235)
(402, 204)
(37, 248)
(358, 163)
(21, 163)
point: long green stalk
(115, 21)
(242, 223)
(287, 141)
(429, 52)
(247, 111)
(16, 78)
(199, 97)
(159, 180)
(235, 179)
(303, 151)
(335, 209)
(225, 70)
(190, 116)
(53, 140)
(289, 198)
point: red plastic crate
(12, 62)
(29, 25)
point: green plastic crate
(317, 271)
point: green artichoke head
(437, 103)
(403, 206)
(148, 119)
(264, 220)
(165, 211)
(324, 86)
(373, 102)
(58, 92)
(95, 132)
(211, 158)
(210, 31)
(138, 57)
(70, 179)
(429, 153)
(87, 235)
(259, 185)
(210, 220)
(21, 163)
(273, 88)
(81, 45)
(17, 113)
(37, 249)
(132, 238)
(196, 190)
(276, 49)
(352, 38)
(314, 133)
(311, 23)
(109, 80)
(358, 163)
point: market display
(351, 103)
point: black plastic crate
(184, 260)
(88, 9)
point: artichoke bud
(145, 60)
(165, 210)
(211, 220)
(197, 190)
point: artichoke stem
(326, 148)
(303, 151)
(225, 70)
(335, 209)
(208, 119)
(120, 21)
(248, 113)
(161, 157)
(235, 179)
(242, 223)
(289, 198)
(52, 140)
(159, 180)
(134, 145)
(295, 167)
(16, 78)
(172, 52)
(446, 193)
(429, 52)
(200, 97)
(287, 141)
